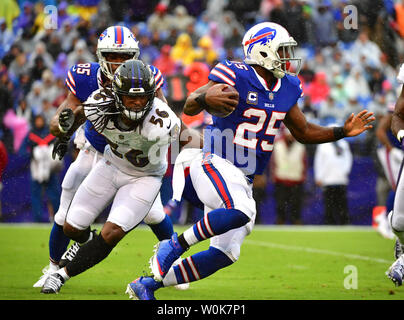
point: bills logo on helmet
(262, 37)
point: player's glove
(66, 120)
(60, 147)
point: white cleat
(131, 293)
(46, 272)
(396, 271)
(53, 284)
(153, 265)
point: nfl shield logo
(271, 96)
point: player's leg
(219, 185)
(132, 202)
(74, 176)
(93, 195)
(158, 221)
(224, 250)
(396, 220)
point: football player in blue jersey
(396, 216)
(237, 146)
(115, 45)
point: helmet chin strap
(278, 73)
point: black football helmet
(133, 78)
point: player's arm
(69, 116)
(74, 104)
(190, 138)
(381, 131)
(160, 94)
(306, 132)
(397, 120)
(210, 98)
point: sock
(53, 267)
(197, 266)
(88, 256)
(58, 243)
(216, 222)
(63, 274)
(164, 229)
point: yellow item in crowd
(40, 17)
(183, 51)
(9, 10)
(205, 52)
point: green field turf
(285, 263)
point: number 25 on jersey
(256, 128)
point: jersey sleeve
(81, 80)
(297, 88)
(158, 77)
(223, 72)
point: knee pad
(232, 250)
(155, 215)
(396, 221)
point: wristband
(339, 133)
(202, 101)
(400, 135)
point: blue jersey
(246, 136)
(84, 79)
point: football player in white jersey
(396, 216)
(139, 129)
(115, 45)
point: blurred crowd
(351, 51)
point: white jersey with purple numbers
(246, 136)
(84, 79)
(140, 151)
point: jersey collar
(275, 88)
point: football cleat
(46, 272)
(166, 252)
(71, 252)
(53, 283)
(142, 288)
(396, 271)
(398, 249)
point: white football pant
(220, 184)
(132, 197)
(77, 172)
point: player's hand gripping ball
(222, 100)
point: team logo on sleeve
(252, 97)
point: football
(220, 110)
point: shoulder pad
(158, 76)
(82, 80)
(225, 72)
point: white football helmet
(116, 39)
(261, 46)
